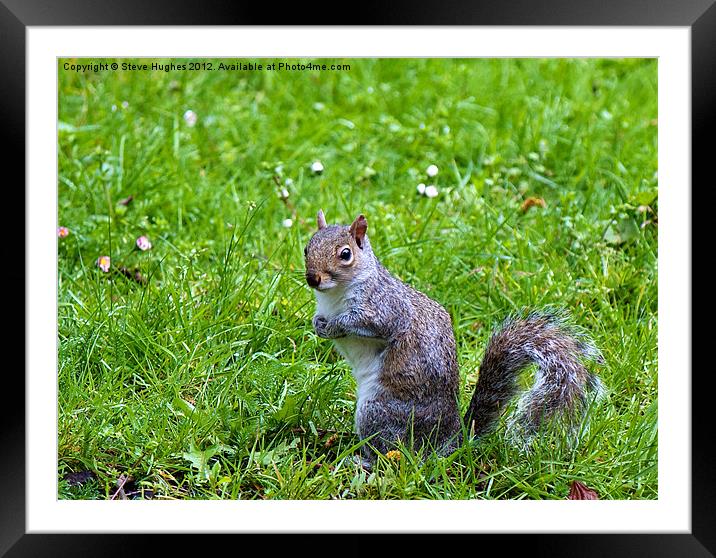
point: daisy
(103, 263)
(190, 118)
(431, 191)
(143, 243)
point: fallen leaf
(331, 440)
(532, 202)
(580, 491)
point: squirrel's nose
(313, 279)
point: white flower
(125, 104)
(318, 106)
(288, 223)
(143, 243)
(421, 188)
(288, 181)
(432, 170)
(190, 118)
(103, 263)
(431, 191)
(283, 194)
(317, 167)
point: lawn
(190, 370)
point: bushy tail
(562, 385)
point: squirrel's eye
(345, 254)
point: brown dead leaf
(580, 491)
(532, 202)
(331, 440)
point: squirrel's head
(337, 254)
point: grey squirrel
(402, 351)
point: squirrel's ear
(358, 229)
(321, 220)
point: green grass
(208, 381)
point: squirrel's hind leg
(395, 424)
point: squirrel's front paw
(320, 324)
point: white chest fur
(330, 303)
(365, 355)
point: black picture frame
(16, 15)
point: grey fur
(414, 399)
(562, 382)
